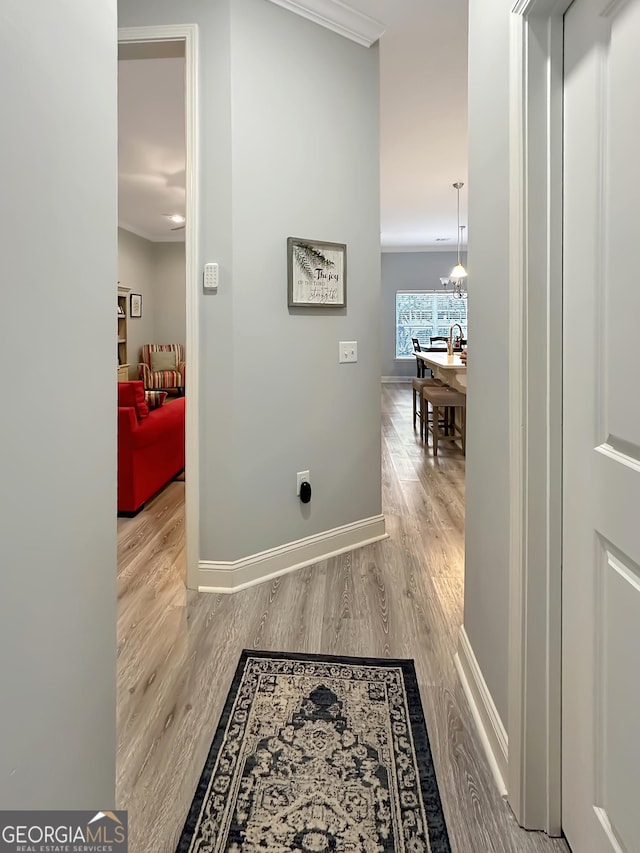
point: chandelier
(458, 275)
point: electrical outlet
(300, 476)
(347, 352)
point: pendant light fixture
(458, 274)
(458, 271)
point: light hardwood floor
(177, 650)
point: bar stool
(445, 423)
(418, 386)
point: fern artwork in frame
(317, 273)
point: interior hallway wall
(306, 171)
(486, 594)
(274, 400)
(58, 322)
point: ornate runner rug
(317, 753)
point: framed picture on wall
(135, 304)
(317, 273)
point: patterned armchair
(162, 367)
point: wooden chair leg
(414, 408)
(436, 428)
(459, 427)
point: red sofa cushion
(167, 419)
(132, 394)
(150, 451)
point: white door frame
(188, 33)
(535, 393)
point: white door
(601, 491)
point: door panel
(620, 688)
(601, 428)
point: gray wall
(487, 494)
(406, 271)
(273, 398)
(135, 270)
(217, 392)
(157, 271)
(58, 520)
(169, 297)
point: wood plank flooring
(177, 650)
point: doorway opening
(157, 249)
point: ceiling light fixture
(178, 220)
(458, 273)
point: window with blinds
(424, 314)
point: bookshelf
(123, 361)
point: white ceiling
(151, 146)
(423, 128)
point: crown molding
(169, 237)
(423, 247)
(136, 230)
(336, 16)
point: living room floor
(178, 650)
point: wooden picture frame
(316, 273)
(135, 305)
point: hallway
(402, 597)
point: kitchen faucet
(450, 342)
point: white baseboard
(490, 727)
(386, 379)
(232, 576)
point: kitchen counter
(450, 369)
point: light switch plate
(348, 352)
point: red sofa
(150, 446)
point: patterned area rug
(318, 753)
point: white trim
(389, 250)
(160, 32)
(535, 442)
(232, 576)
(493, 735)
(516, 411)
(189, 34)
(605, 823)
(337, 17)
(619, 456)
(388, 379)
(146, 235)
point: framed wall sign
(135, 304)
(317, 273)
